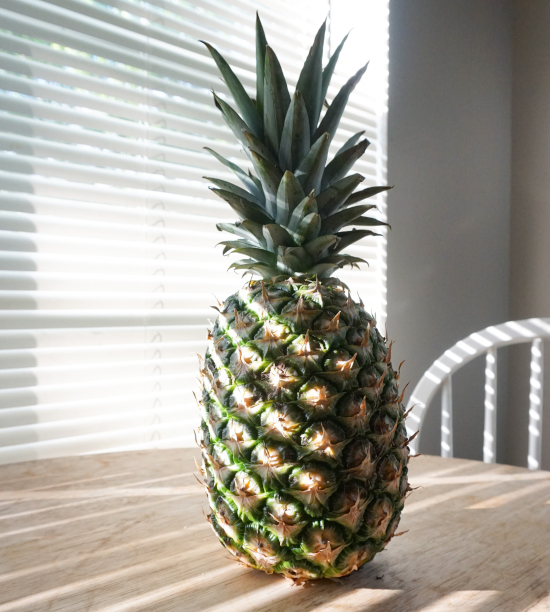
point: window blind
(107, 230)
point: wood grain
(126, 532)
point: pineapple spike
(388, 356)
(400, 398)
(199, 444)
(378, 386)
(199, 468)
(335, 323)
(317, 288)
(200, 481)
(264, 293)
(398, 375)
(366, 338)
(347, 365)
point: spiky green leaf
(350, 142)
(369, 192)
(260, 255)
(276, 236)
(234, 189)
(231, 245)
(276, 100)
(245, 209)
(310, 170)
(245, 178)
(261, 44)
(322, 270)
(347, 238)
(334, 113)
(310, 81)
(307, 206)
(242, 99)
(338, 220)
(257, 146)
(289, 195)
(256, 229)
(342, 163)
(295, 139)
(270, 176)
(342, 260)
(249, 230)
(308, 228)
(329, 68)
(266, 272)
(368, 222)
(233, 119)
(296, 258)
(332, 198)
(258, 183)
(316, 246)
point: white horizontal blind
(107, 230)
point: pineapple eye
(244, 484)
(224, 376)
(315, 394)
(278, 332)
(246, 397)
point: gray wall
(449, 152)
(530, 227)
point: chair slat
(447, 418)
(535, 404)
(490, 427)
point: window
(107, 233)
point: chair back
(486, 341)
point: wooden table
(124, 532)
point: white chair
(440, 375)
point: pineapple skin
(303, 439)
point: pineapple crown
(293, 210)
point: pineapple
(304, 447)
